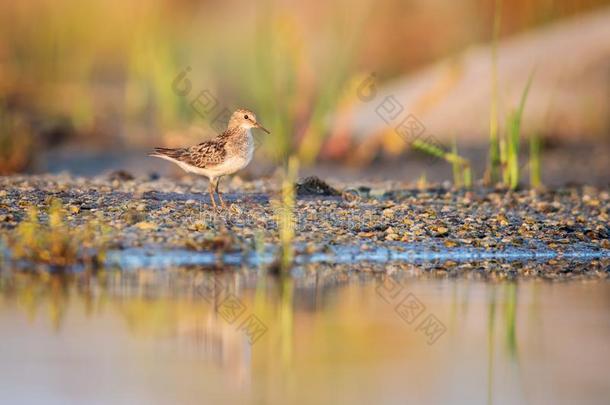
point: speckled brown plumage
(230, 152)
(209, 153)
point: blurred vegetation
(16, 143)
(55, 241)
(535, 164)
(494, 142)
(461, 167)
(504, 152)
(285, 217)
(509, 154)
(107, 67)
(504, 148)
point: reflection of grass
(491, 320)
(31, 292)
(510, 329)
(287, 319)
(511, 318)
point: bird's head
(245, 119)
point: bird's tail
(165, 153)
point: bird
(226, 154)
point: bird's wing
(206, 154)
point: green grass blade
(494, 145)
(467, 176)
(462, 174)
(456, 168)
(514, 135)
(534, 163)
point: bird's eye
(246, 116)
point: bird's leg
(222, 202)
(211, 190)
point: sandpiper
(226, 154)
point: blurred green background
(99, 74)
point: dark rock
(315, 186)
(120, 175)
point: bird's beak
(257, 125)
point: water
(327, 336)
(392, 252)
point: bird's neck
(241, 141)
(243, 133)
(238, 131)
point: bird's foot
(222, 202)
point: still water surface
(184, 336)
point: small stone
(198, 226)
(440, 231)
(388, 213)
(392, 236)
(146, 226)
(502, 220)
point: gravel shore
(166, 214)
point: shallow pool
(188, 336)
